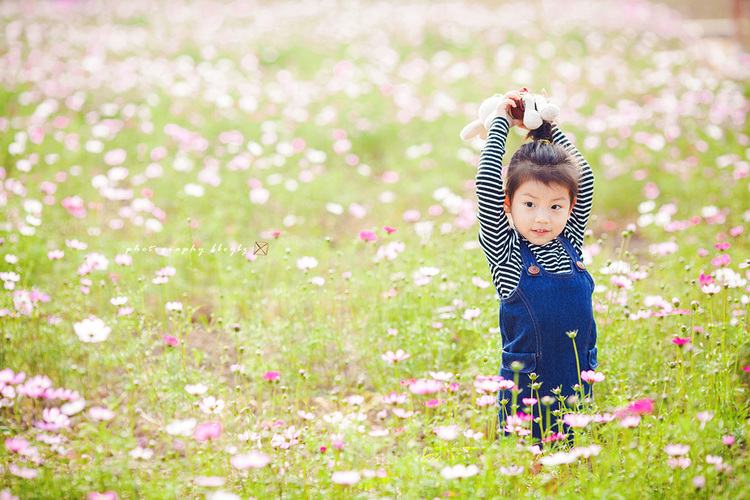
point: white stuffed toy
(534, 108)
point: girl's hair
(542, 161)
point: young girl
(537, 268)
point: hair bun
(543, 133)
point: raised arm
(579, 218)
(494, 230)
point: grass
(294, 354)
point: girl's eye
(529, 204)
(556, 207)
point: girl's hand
(508, 102)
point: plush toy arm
(472, 129)
(491, 108)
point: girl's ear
(572, 205)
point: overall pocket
(527, 359)
(593, 361)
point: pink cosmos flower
(346, 478)
(100, 413)
(9, 377)
(447, 432)
(181, 427)
(411, 215)
(394, 357)
(252, 460)
(166, 271)
(76, 245)
(676, 450)
(736, 231)
(394, 398)
(577, 420)
(515, 426)
(681, 341)
(207, 430)
(487, 400)
(641, 407)
(401, 413)
(118, 301)
(554, 437)
(472, 313)
(425, 386)
(681, 462)
(711, 289)
(55, 254)
(270, 376)
(529, 401)
(630, 421)
(97, 261)
(107, 495)
(432, 403)
(727, 440)
(74, 205)
(368, 236)
(61, 393)
(493, 383)
(389, 229)
(354, 400)
(170, 340)
(512, 470)
(305, 263)
(211, 405)
(22, 472)
(123, 259)
(196, 389)
(92, 330)
(606, 417)
(305, 415)
(591, 376)
(704, 416)
(210, 481)
(16, 444)
(705, 280)
(722, 260)
(723, 246)
(459, 471)
(621, 281)
(443, 376)
(35, 386)
(452, 387)
(52, 420)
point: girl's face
(540, 212)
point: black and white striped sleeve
(495, 233)
(579, 218)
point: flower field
(240, 254)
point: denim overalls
(534, 321)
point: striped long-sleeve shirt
(498, 239)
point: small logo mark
(261, 248)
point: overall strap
(530, 265)
(578, 264)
